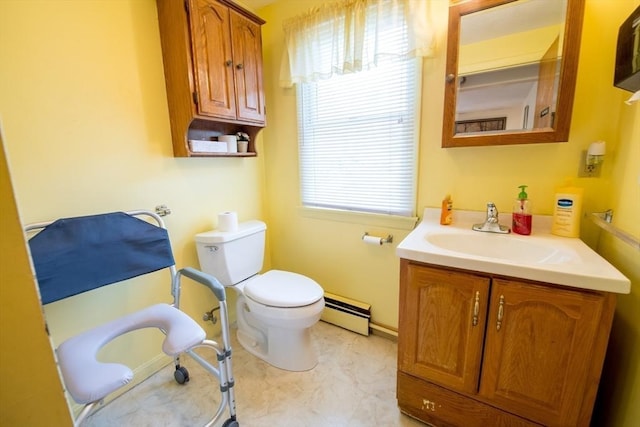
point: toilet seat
(284, 289)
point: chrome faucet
(491, 224)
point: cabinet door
(212, 57)
(538, 350)
(247, 56)
(441, 325)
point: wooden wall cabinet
(477, 350)
(212, 54)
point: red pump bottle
(522, 219)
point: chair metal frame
(224, 371)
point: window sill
(377, 220)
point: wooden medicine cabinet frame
(556, 132)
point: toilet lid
(283, 289)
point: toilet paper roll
(372, 240)
(227, 221)
(232, 142)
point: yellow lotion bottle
(446, 212)
(567, 210)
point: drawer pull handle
(476, 309)
(428, 405)
(500, 312)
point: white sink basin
(507, 248)
(540, 257)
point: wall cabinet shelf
(212, 55)
(477, 349)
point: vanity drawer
(433, 404)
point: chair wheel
(181, 375)
(231, 423)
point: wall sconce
(592, 159)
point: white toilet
(276, 309)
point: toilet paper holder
(366, 237)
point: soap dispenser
(521, 222)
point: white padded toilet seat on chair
(89, 380)
(284, 289)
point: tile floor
(353, 385)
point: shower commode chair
(75, 255)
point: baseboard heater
(346, 313)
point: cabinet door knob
(239, 66)
(228, 63)
(476, 309)
(500, 312)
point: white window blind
(357, 138)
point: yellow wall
(620, 392)
(86, 130)
(336, 257)
(526, 47)
(29, 375)
(333, 254)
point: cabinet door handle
(500, 312)
(228, 63)
(476, 309)
(239, 66)
(428, 405)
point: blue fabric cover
(75, 255)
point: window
(357, 136)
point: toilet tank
(232, 256)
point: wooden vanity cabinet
(478, 349)
(212, 54)
(441, 327)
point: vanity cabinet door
(441, 325)
(539, 350)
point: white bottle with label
(567, 210)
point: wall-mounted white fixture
(596, 152)
(592, 159)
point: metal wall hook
(163, 210)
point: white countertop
(573, 263)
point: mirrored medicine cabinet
(511, 71)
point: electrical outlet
(588, 171)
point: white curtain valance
(353, 35)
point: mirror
(511, 71)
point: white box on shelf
(207, 146)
